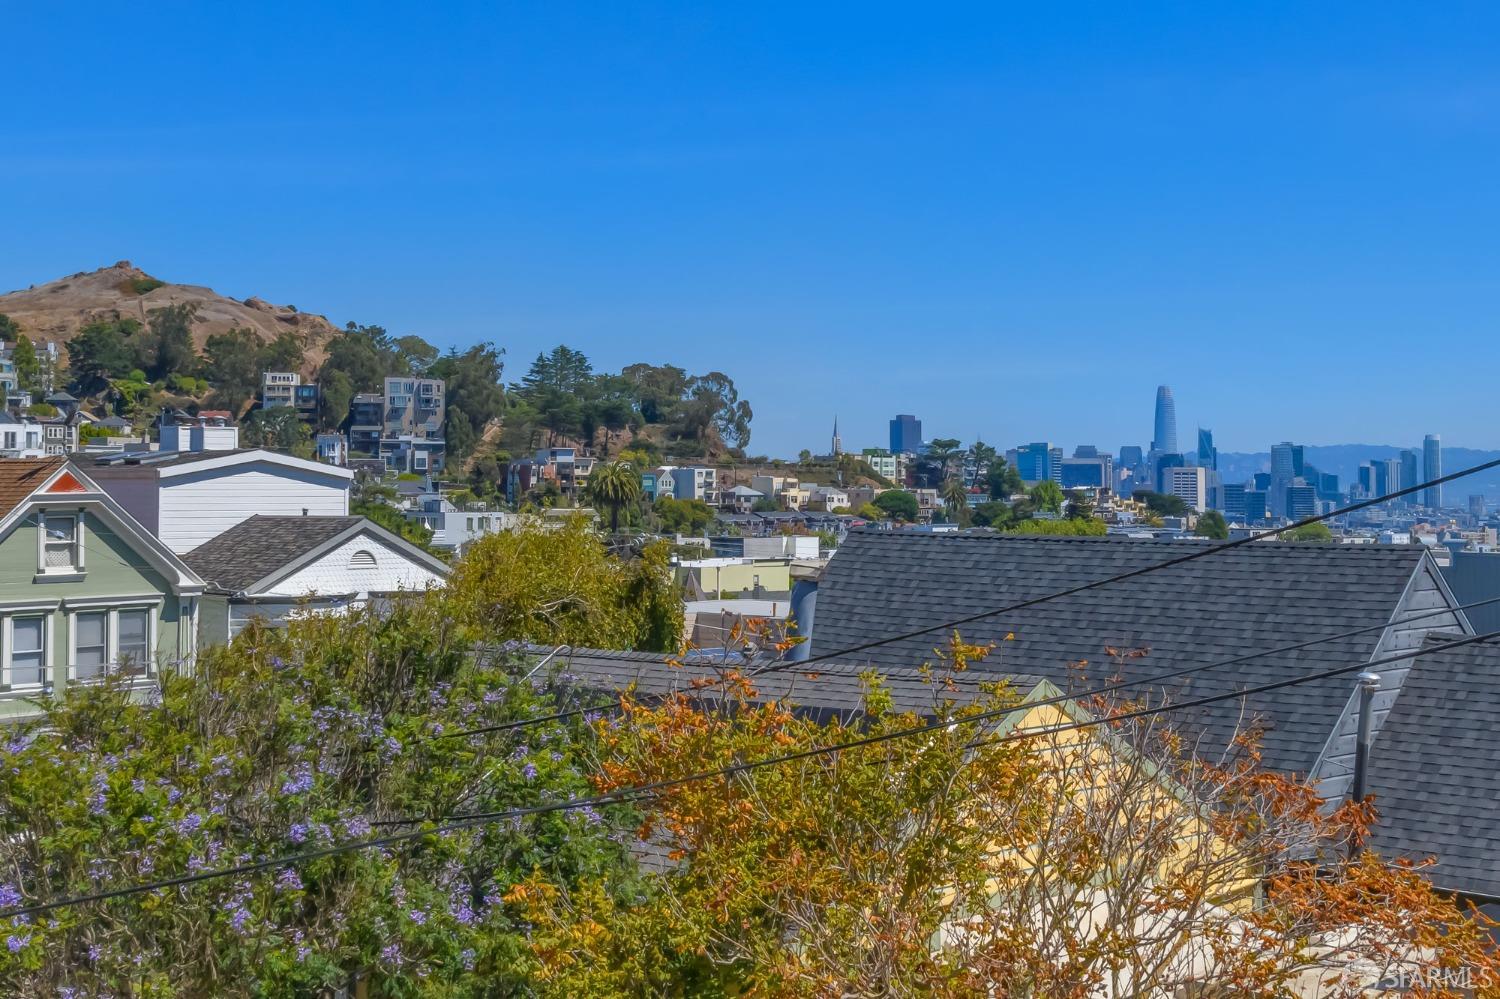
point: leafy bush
(140, 285)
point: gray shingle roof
(257, 547)
(1435, 769)
(824, 689)
(1256, 597)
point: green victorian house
(85, 591)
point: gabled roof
(32, 482)
(1435, 769)
(258, 551)
(20, 477)
(1219, 607)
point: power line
(1132, 573)
(803, 664)
(630, 794)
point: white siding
(339, 571)
(1334, 771)
(203, 505)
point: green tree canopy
(1309, 532)
(898, 504)
(100, 352)
(1004, 480)
(1047, 495)
(680, 516)
(1211, 524)
(1161, 504)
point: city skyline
(1268, 212)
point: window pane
(26, 653)
(89, 644)
(135, 651)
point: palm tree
(614, 485)
(955, 499)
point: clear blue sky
(1012, 221)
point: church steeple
(838, 445)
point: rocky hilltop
(58, 309)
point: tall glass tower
(1165, 440)
(1432, 468)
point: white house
(186, 498)
(276, 567)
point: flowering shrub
(286, 743)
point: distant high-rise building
(1096, 472)
(1163, 464)
(1476, 505)
(1229, 499)
(1131, 455)
(1432, 468)
(1255, 506)
(1301, 502)
(1208, 455)
(906, 435)
(1037, 462)
(838, 445)
(1085, 451)
(1282, 461)
(1261, 481)
(1411, 474)
(1165, 440)
(1189, 483)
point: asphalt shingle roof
(20, 477)
(1258, 596)
(1435, 769)
(823, 689)
(255, 548)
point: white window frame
(80, 535)
(47, 613)
(111, 609)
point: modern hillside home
(274, 568)
(85, 591)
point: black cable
(625, 795)
(1131, 574)
(1032, 602)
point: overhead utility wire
(630, 794)
(803, 664)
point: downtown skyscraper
(1165, 439)
(1432, 468)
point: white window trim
(7, 636)
(111, 608)
(61, 572)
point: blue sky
(1013, 221)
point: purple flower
(277, 662)
(95, 952)
(288, 880)
(98, 800)
(463, 914)
(466, 958)
(529, 771)
(15, 943)
(391, 954)
(189, 824)
(299, 782)
(9, 896)
(357, 827)
(492, 696)
(418, 916)
(138, 786)
(298, 832)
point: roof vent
(362, 559)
